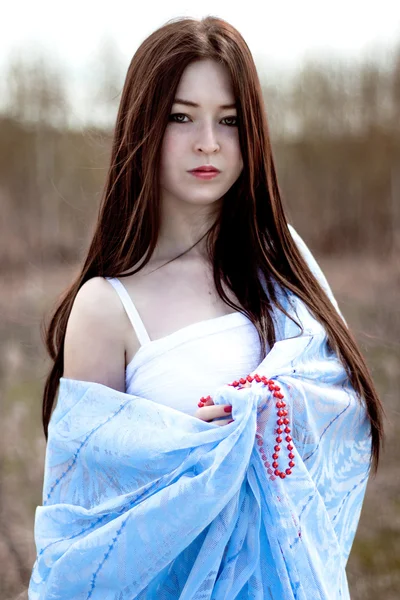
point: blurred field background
(335, 127)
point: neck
(181, 228)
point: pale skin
(99, 338)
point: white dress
(192, 361)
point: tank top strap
(130, 309)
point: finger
(219, 411)
(214, 411)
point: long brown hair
(251, 232)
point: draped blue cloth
(142, 501)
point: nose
(207, 141)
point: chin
(203, 201)
(193, 197)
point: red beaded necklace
(283, 420)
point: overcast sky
(282, 30)
(280, 33)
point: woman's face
(205, 134)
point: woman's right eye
(172, 117)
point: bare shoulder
(96, 298)
(94, 347)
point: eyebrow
(189, 103)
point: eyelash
(183, 115)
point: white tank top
(178, 369)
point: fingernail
(227, 408)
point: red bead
(249, 378)
(275, 464)
(242, 381)
(289, 447)
(277, 388)
(269, 471)
(259, 442)
(257, 378)
(279, 439)
(288, 438)
(291, 455)
(235, 383)
(258, 435)
(287, 430)
(280, 395)
(284, 413)
(280, 421)
(272, 478)
(288, 472)
(279, 430)
(275, 456)
(276, 394)
(286, 421)
(277, 448)
(282, 475)
(262, 454)
(277, 472)
(291, 464)
(267, 464)
(201, 404)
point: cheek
(171, 153)
(172, 145)
(236, 154)
(232, 142)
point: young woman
(190, 281)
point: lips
(205, 169)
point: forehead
(206, 80)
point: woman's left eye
(175, 116)
(230, 118)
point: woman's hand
(211, 411)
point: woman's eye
(230, 119)
(176, 117)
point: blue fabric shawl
(142, 501)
